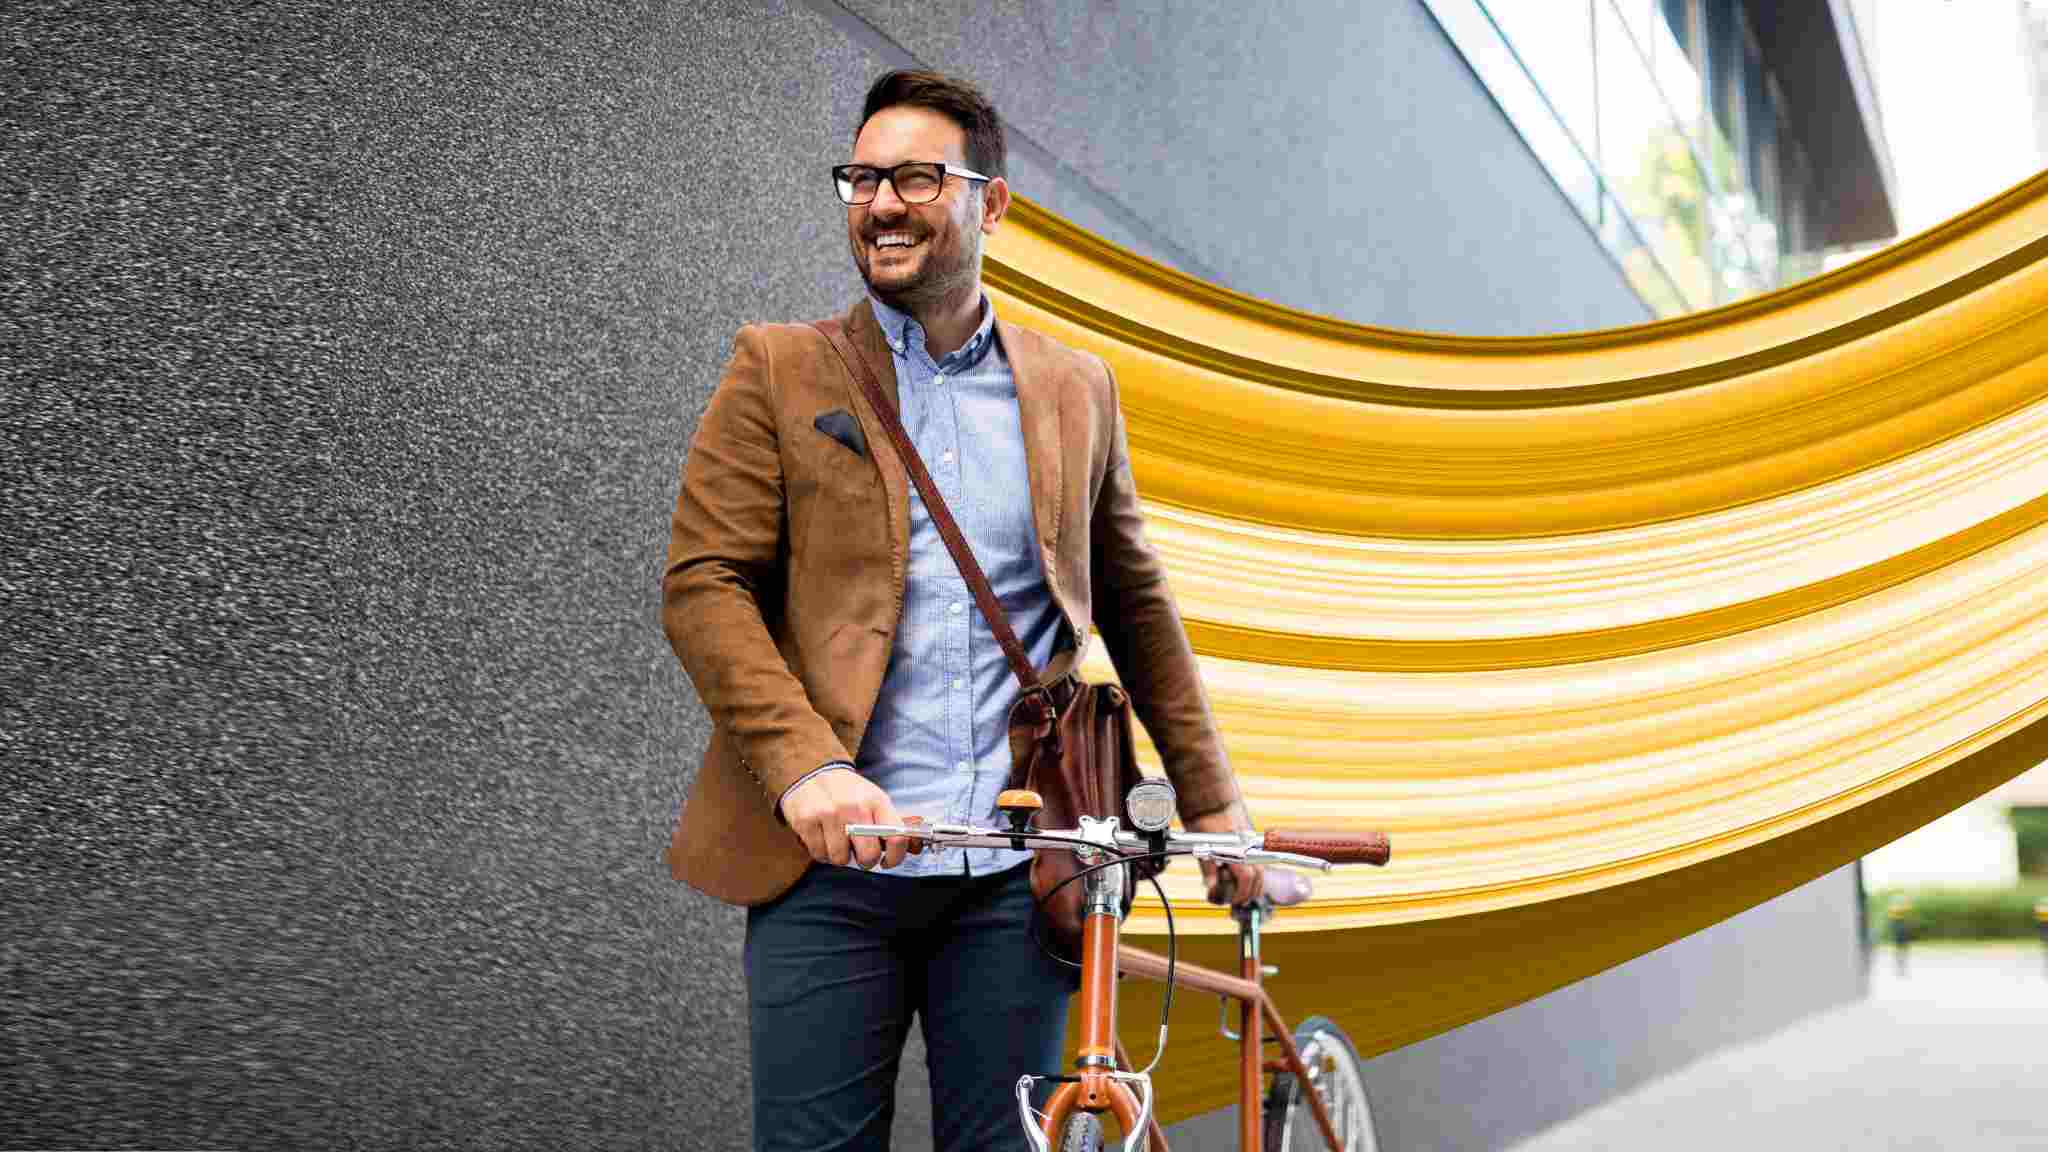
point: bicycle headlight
(1150, 804)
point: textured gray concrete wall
(170, 692)
(352, 350)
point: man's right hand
(819, 809)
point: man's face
(943, 253)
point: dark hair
(956, 100)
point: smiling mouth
(894, 242)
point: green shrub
(1962, 913)
(2030, 825)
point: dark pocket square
(840, 425)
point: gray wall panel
(359, 346)
(1330, 156)
(1499, 1080)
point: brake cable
(1038, 909)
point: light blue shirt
(938, 742)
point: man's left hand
(1249, 879)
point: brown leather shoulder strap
(942, 517)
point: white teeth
(893, 240)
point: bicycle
(1328, 1092)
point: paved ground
(1951, 1054)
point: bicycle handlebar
(1320, 850)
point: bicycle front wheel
(1082, 1133)
(1333, 1075)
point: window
(1661, 124)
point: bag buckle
(1048, 719)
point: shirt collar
(905, 333)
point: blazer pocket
(835, 495)
(840, 425)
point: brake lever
(1259, 856)
(1292, 859)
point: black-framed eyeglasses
(916, 182)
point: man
(849, 676)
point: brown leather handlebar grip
(1336, 847)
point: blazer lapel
(865, 332)
(1038, 410)
(1038, 407)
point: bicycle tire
(1082, 1133)
(1333, 1068)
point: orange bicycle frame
(1103, 958)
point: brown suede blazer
(785, 582)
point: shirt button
(962, 765)
(953, 608)
(959, 682)
(939, 379)
(947, 455)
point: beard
(946, 264)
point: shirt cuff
(827, 766)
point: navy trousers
(837, 966)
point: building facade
(1451, 165)
(1680, 130)
(388, 820)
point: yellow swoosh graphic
(1617, 633)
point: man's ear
(995, 201)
